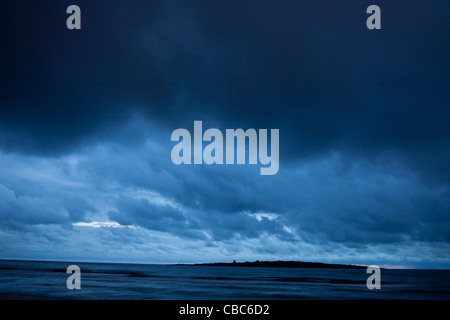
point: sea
(47, 280)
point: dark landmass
(280, 264)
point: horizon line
(383, 266)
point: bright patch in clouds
(100, 224)
(260, 216)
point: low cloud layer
(132, 199)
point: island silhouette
(278, 264)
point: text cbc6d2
(246, 309)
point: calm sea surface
(47, 280)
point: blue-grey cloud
(131, 190)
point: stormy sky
(87, 116)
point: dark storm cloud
(310, 69)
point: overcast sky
(87, 116)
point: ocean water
(47, 280)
